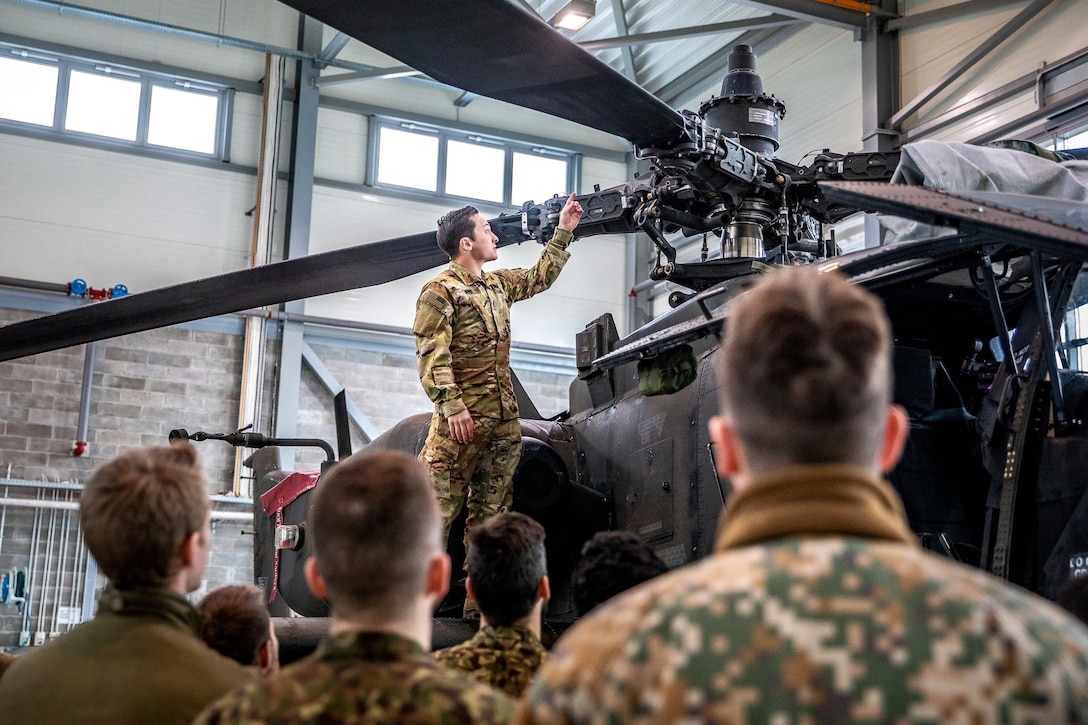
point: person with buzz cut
(508, 577)
(378, 560)
(462, 332)
(818, 604)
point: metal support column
(879, 94)
(300, 193)
(249, 408)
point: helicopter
(989, 476)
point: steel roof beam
(1005, 32)
(628, 57)
(765, 21)
(812, 11)
(952, 12)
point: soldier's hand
(462, 428)
(570, 215)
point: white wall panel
(929, 52)
(264, 21)
(68, 211)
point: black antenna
(343, 430)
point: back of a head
(137, 510)
(506, 560)
(612, 562)
(374, 525)
(234, 622)
(805, 370)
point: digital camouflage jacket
(504, 657)
(790, 622)
(363, 677)
(462, 330)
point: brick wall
(146, 384)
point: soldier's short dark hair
(506, 560)
(234, 622)
(374, 526)
(806, 370)
(137, 509)
(612, 562)
(454, 225)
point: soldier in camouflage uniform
(462, 330)
(818, 605)
(378, 559)
(507, 574)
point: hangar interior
(145, 144)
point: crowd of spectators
(818, 605)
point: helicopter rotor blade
(317, 274)
(503, 50)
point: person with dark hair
(818, 604)
(146, 519)
(612, 562)
(234, 621)
(377, 557)
(508, 576)
(462, 331)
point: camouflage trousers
(479, 474)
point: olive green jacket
(138, 661)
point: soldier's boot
(471, 609)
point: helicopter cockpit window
(1072, 353)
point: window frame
(148, 79)
(445, 134)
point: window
(28, 91)
(408, 159)
(103, 105)
(537, 176)
(475, 170)
(451, 163)
(70, 95)
(183, 119)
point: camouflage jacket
(462, 329)
(504, 657)
(808, 626)
(363, 677)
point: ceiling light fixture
(574, 14)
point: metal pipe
(43, 504)
(40, 632)
(65, 533)
(3, 521)
(32, 572)
(80, 445)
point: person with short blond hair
(146, 520)
(818, 604)
(379, 560)
(234, 621)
